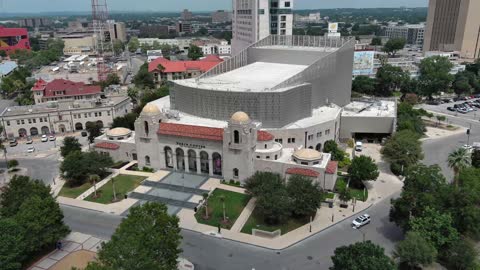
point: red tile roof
(303, 171)
(182, 66)
(263, 136)
(12, 32)
(70, 88)
(331, 167)
(107, 145)
(197, 132)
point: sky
(33, 6)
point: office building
(254, 20)
(453, 25)
(117, 31)
(34, 22)
(183, 27)
(412, 33)
(186, 15)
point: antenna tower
(100, 26)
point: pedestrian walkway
(74, 242)
(242, 219)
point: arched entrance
(22, 132)
(180, 159)
(204, 164)
(78, 126)
(45, 130)
(310, 147)
(217, 163)
(168, 157)
(100, 123)
(318, 147)
(62, 128)
(235, 173)
(147, 160)
(33, 131)
(192, 161)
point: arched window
(145, 125)
(318, 147)
(168, 157)
(236, 136)
(235, 173)
(147, 160)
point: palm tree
(458, 160)
(205, 197)
(344, 195)
(94, 179)
(222, 199)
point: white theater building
(270, 108)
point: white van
(358, 146)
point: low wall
(262, 233)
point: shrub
(12, 163)
(147, 169)
(232, 182)
(351, 143)
(344, 163)
(396, 168)
(237, 183)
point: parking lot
(474, 114)
(22, 147)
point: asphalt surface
(210, 253)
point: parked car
(30, 149)
(44, 138)
(433, 102)
(452, 109)
(462, 110)
(358, 146)
(52, 138)
(361, 221)
(29, 140)
(13, 142)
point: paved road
(209, 253)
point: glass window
(287, 4)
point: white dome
(119, 132)
(240, 117)
(307, 154)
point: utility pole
(468, 134)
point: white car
(358, 146)
(30, 149)
(184, 264)
(52, 138)
(361, 221)
(44, 138)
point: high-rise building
(186, 15)
(183, 27)
(254, 20)
(117, 31)
(34, 22)
(412, 33)
(453, 25)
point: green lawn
(255, 221)
(123, 185)
(74, 192)
(356, 193)
(329, 195)
(234, 204)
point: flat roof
(319, 115)
(297, 48)
(378, 108)
(255, 77)
(56, 106)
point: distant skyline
(34, 6)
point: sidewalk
(73, 243)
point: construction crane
(102, 36)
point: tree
(222, 199)
(126, 121)
(12, 244)
(17, 191)
(118, 47)
(274, 205)
(70, 144)
(440, 118)
(361, 256)
(132, 93)
(389, 79)
(94, 130)
(144, 79)
(331, 147)
(194, 52)
(12, 163)
(305, 194)
(112, 79)
(461, 85)
(394, 45)
(461, 254)
(3, 53)
(94, 179)
(42, 221)
(77, 166)
(476, 158)
(261, 182)
(148, 238)
(133, 44)
(344, 194)
(403, 148)
(415, 251)
(363, 168)
(364, 85)
(409, 118)
(376, 41)
(205, 200)
(421, 188)
(436, 227)
(435, 75)
(458, 160)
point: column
(197, 161)
(210, 164)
